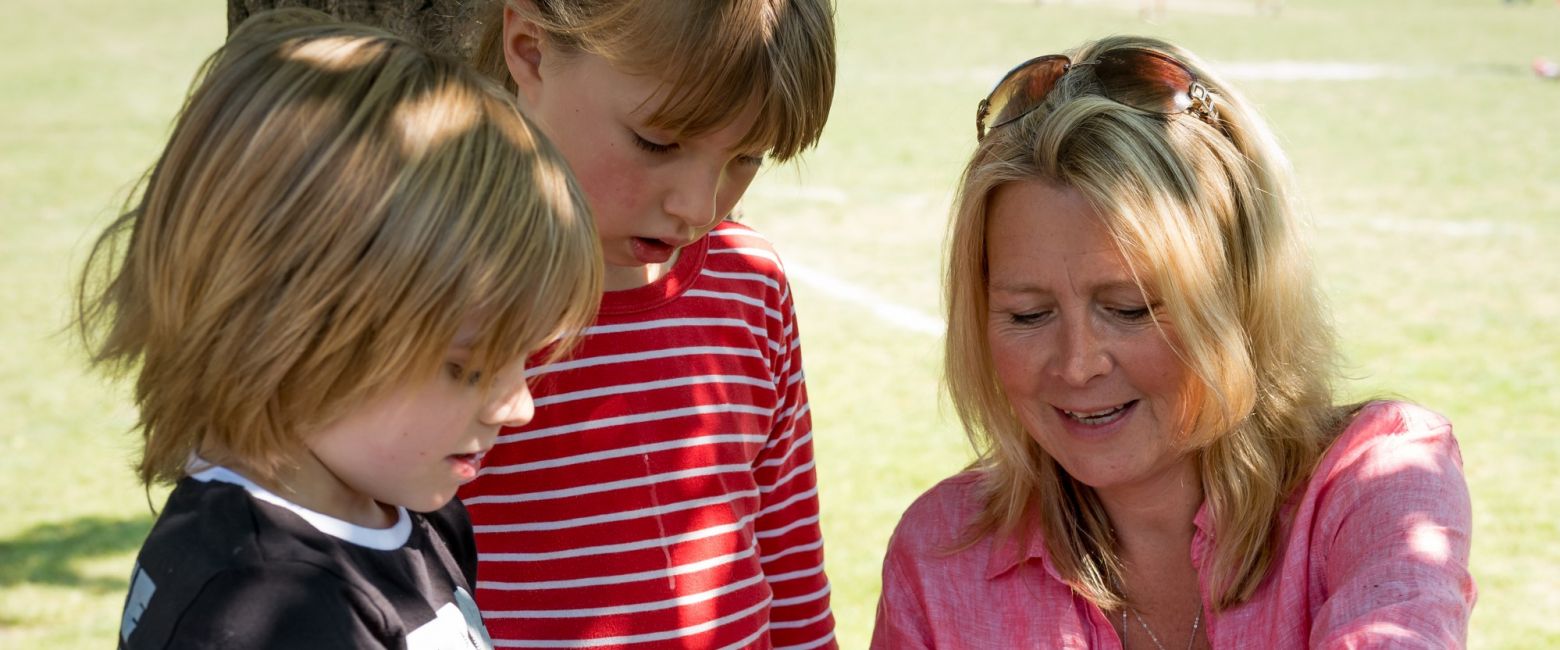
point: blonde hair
(716, 56)
(333, 204)
(1201, 213)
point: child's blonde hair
(333, 204)
(715, 56)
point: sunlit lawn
(1434, 197)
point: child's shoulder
(213, 527)
(736, 247)
(223, 557)
(207, 560)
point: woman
(1138, 353)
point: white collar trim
(379, 539)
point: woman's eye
(751, 160)
(1133, 314)
(1028, 318)
(652, 147)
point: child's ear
(523, 43)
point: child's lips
(654, 251)
(467, 465)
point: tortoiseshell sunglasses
(1139, 78)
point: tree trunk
(444, 26)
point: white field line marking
(915, 321)
(1283, 71)
(1319, 71)
(1470, 229)
(899, 315)
(909, 319)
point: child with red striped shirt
(664, 496)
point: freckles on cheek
(607, 175)
(1013, 369)
(1172, 371)
(609, 197)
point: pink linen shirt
(1374, 553)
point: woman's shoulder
(1393, 417)
(1391, 432)
(941, 515)
(1388, 451)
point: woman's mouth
(1099, 417)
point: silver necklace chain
(1154, 637)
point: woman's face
(1088, 369)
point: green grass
(1433, 198)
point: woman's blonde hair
(332, 206)
(1201, 212)
(715, 56)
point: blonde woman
(1139, 355)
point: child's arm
(790, 541)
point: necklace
(1154, 637)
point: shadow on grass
(48, 553)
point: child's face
(652, 192)
(413, 445)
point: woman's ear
(524, 42)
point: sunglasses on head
(1142, 79)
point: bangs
(543, 295)
(530, 266)
(716, 61)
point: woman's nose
(1082, 357)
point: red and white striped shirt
(664, 496)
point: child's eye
(652, 147)
(459, 373)
(751, 160)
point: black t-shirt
(231, 565)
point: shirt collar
(1007, 552)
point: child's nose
(509, 404)
(693, 198)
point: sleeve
(901, 617)
(789, 539)
(1396, 568)
(282, 606)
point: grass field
(1428, 154)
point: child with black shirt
(326, 292)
